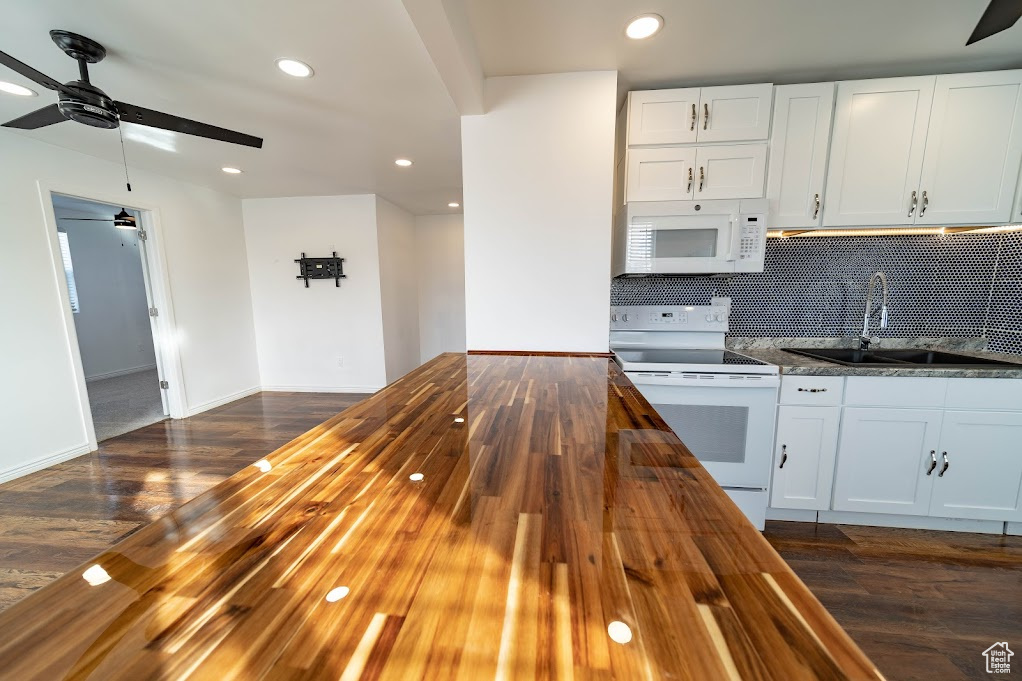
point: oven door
(680, 240)
(726, 421)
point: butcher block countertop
(485, 517)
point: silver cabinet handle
(926, 202)
(816, 211)
(933, 461)
(812, 390)
(947, 464)
(784, 455)
(706, 115)
(689, 177)
(912, 208)
(702, 177)
(694, 117)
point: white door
(876, 153)
(798, 154)
(979, 467)
(661, 174)
(730, 172)
(883, 460)
(734, 113)
(804, 457)
(973, 149)
(663, 116)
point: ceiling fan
(122, 220)
(83, 102)
(999, 16)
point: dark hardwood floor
(921, 604)
(57, 518)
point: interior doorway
(111, 300)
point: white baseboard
(44, 462)
(120, 372)
(912, 521)
(219, 402)
(798, 515)
(322, 389)
(1013, 529)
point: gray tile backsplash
(955, 285)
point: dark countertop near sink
(770, 350)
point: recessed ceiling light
(13, 89)
(231, 171)
(454, 204)
(293, 67)
(644, 26)
(403, 162)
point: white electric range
(720, 403)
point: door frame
(165, 345)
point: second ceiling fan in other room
(83, 102)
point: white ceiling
(707, 42)
(375, 97)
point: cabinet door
(730, 172)
(661, 174)
(804, 457)
(798, 154)
(973, 149)
(877, 151)
(663, 116)
(734, 113)
(883, 458)
(983, 478)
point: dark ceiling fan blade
(89, 219)
(999, 15)
(40, 118)
(30, 73)
(156, 119)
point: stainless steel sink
(891, 358)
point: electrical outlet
(340, 361)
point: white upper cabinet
(877, 151)
(979, 467)
(663, 116)
(973, 149)
(804, 458)
(883, 459)
(661, 174)
(734, 113)
(730, 172)
(798, 154)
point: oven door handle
(723, 381)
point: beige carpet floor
(125, 403)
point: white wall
(398, 264)
(440, 248)
(321, 337)
(114, 334)
(40, 413)
(538, 173)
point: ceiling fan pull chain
(120, 133)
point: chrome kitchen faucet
(865, 339)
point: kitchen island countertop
(486, 516)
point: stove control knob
(709, 317)
(613, 317)
(719, 317)
(624, 317)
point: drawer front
(896, 391)
(996, 394)
(817, 390)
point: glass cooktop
(687, 356)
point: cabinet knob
(693, 126)
(912, 206)
(947, 464)
(690, 172)
(926, 202)
(812, 390)
(933, 461)
(784, 455)
(706, 115)
(702, 178)
(816, 210)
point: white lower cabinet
(804, 460)
(883, 460)
(979, 467)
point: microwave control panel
(751, 240)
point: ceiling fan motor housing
(90, 106)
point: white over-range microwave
(690, 237)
